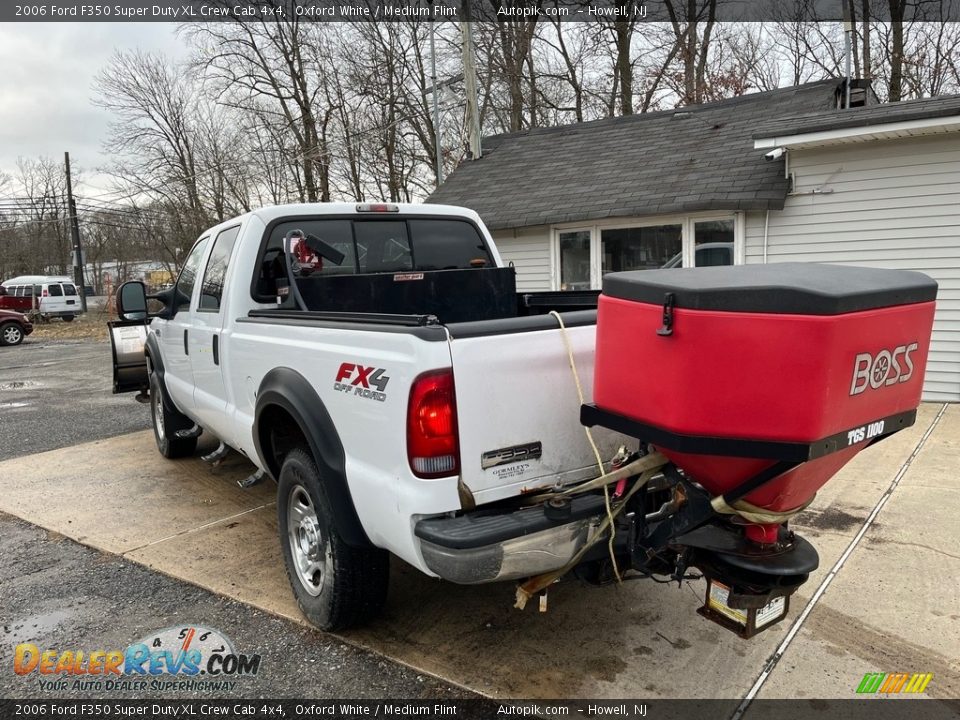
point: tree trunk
(624, 33)
(867, 54)
(896, 51)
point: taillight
(45, 294)
(432, 445)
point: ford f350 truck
(377, 362)
(417, 384)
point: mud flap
(127, 341)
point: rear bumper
(488, 546)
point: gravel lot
(58, 393)
(59, 594)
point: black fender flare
(289, 390)
(155, 364)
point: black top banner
(636, 11)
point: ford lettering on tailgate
(515, 453)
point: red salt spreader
(758, 383)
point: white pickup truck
(378, 363)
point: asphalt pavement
(59, 393)
(57, 594)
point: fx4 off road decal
(365, 382)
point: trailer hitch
(748, 584)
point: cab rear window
(369, 245)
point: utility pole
(470, 84)
(436, 100)
(75, 236)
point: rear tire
(68, 318)
(337, 586)
(166, 422)
(11, 334)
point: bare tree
(154, 130)
(279, 62)
(693, 23)
(41, 216)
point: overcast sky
(46, 72)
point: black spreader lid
(786, 288)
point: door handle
(216, 349)
(186, 348)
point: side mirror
(132, 301)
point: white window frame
(686, 222)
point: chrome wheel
(308, 547)
(158, 415)
(12, 335)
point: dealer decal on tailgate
(359, 380)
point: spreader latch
(669, 300)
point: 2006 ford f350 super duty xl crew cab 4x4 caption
(377, 361)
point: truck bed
(451, 296)
(517, 400)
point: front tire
(337, 586)
(11, 334)
(166, 423)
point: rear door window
(211, 292)
(54, 290)
(69, 290)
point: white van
(53, 296)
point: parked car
(707, 255)
(52, 296)
(14, 327)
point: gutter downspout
(766, 235)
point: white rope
(593, 444)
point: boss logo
(887, 367)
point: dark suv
(14, 327)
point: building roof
(697, 158)
(870, 116)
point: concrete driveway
(883, 600)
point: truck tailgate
(517, 405)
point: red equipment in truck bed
(728, 370)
